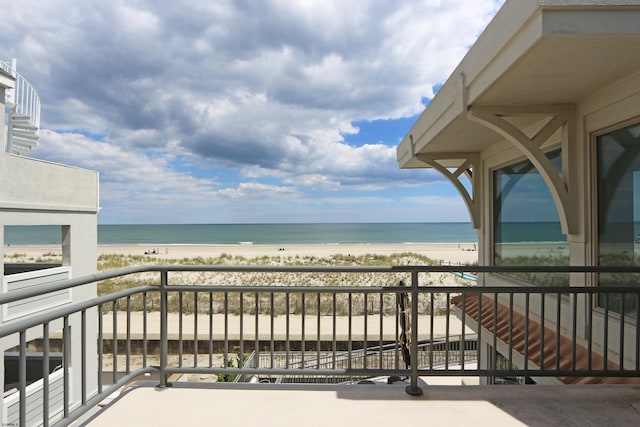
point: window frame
(595, 207)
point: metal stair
(22, 136)
(23, 118)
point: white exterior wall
(35, 192)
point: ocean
(258, 234)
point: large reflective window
(618, 175)
(526, 225)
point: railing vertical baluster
(333, 334)
(241, 342)
(45, 373)
(256, 344)
(144, 329)
(22, 380)
(210, 329)
(271, 331)
(574, 332)
(526, 332)
(180, 325)
(83, 355)
(350, 325)
(463, 345)
(195, 329)
(622, 317)
(381, 341)
(365, 351)
(318, 330)
(100, 346)
(164, 341)
(558, 328)
(637, 353)
(413, 388)
(447, 331)
(66, 364)
(479, 340)
(605, 345)
(287, 333)
(114, 321)
(397, 329)
(128, 361)
(494, 349)
(431, 322)
(590, 331)
(226, 330)
(510, 330)
(303, 328)
(542, 322)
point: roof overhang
(534, 52)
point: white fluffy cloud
(268, 90)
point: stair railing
(23, 99)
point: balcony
(381, 352)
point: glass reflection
(527, 229)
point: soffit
(555, 56)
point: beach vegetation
(16, 255)
(538, 279)
(48, 260)
(280, 302)
(231, 363)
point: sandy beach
(454, 253)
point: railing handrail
(79, 281)
(25, 98)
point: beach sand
(454, 253)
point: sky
(238, 111)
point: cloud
(256, 191)
(268, 89)
(123, 174)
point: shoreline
(444, 252)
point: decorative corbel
(469, 167)
(562, 117)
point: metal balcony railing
(348, 331)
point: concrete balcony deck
(371, 404)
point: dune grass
(205, 302)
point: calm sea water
(259, 234)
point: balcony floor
(371, 404)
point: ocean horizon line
(287, 234)
(284, 223)
(256, 234)
(276, 244)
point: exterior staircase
(23, 118)
(22, 136)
